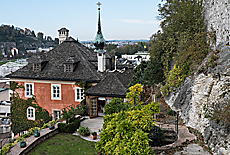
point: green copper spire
(99, 41)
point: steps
(170, 135)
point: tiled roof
(115, 84)
(63, 29)
(70, 50)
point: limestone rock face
(217, 17)
(202, 90)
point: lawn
(62, 144)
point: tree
(1, 55)
(40, 35)
(182, 44)
(56, 41)
(134, 94)
(33, 33)
(179, 19)
(49, 38)
(148, 73)
(153, 73)
(138, 74)
(115, 106)
(127, 132)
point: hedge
(69, 128)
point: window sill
(31, 119)
(56, 99)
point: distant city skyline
(123, 20)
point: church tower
(63, 34)
(99, 43)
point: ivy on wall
(19, 111)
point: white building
(9, 67)
(14, 51)
(138, 57)
(5, 94)
(40, 49)
(31, 50)
(63, 34)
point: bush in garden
(116, 105)
(70, 113)
(69, 128)
(84, 131)
(127, 132)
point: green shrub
(69, 128)
(93, 133)
(115, 106)
(171, 112)
(157, 136)
(84, 131)
(127, 132)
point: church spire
(99, 41)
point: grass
(63, 144)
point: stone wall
(217, 13)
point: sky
(121, 19)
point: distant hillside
(23, 39)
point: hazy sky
(121, 19)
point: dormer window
(36, 67)
(39, 65)
(68, 67)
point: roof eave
(57, 79)
(106, 95)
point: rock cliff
(202, 90)
(209, 90)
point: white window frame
(30, 116)
(79, 97)
(56, 110)
(26, 88)
(53, 95)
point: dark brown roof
(63, 29)
(70, 50)
(115, 84)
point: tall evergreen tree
(182, 44)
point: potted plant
(84, 131)
(22, 141)
(51, 125)
(36, 132)
(93, 135)
(12, 140)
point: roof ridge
(87, 62)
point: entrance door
(93, 107)
(56, 114)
